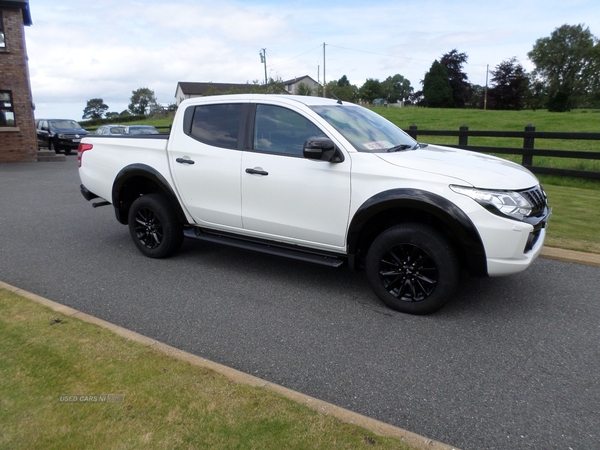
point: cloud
(83, 49)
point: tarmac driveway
(509, 363)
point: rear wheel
(154, 227)
(412, 268)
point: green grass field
(445, 119)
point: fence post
(412, 131)
(528, 143)
(463, 139)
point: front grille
(537, 198)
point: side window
(7, 111)
(217, 125)
(2, 38)
(280, 130)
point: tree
(459, 83)
(370, 90)
(94, 109)
(142, 100)
(437, 92)
(304, 89)
(396, 88)
(567, 64)
(111, 115)
(342, 89)
(511, 86)
(477, 97)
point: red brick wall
(17, 144)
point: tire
(52, 146)
(154, 227)
(67, 151)
(412, 268)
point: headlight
(507, 203)
(62, 136)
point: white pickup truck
(323, 181)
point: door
(205, 161)
(286, 196)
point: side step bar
(287, 251)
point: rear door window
(217, 125)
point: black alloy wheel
(412, 268)
(154, 227)
(408, 273)
(148, 228)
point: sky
(84, 49)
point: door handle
(257, 172)
(184, 161)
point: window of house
(2, 39)
(217, 125)
(7, 111)
(280, 130)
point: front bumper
(71, 143)
(511, 246)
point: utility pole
(487, 69)
(263, 59)
(324, 82)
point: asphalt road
(510, 363)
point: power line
(390, 56)
(284, 61)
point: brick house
(18, 140)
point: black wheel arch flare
(396, 206)
(140, 179)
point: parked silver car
(120, 130)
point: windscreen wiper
(398, 148)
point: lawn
(69, 384)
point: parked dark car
(59, 134)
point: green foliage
(94, 109)
(119, 118)
(459, 83)
(371, 90)
(143, 102)
(511, 86)
(437, 91)
(303, 89)
(342, 89)
(396, 88)
(567, 65)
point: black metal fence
(528, 151)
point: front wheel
(154, 227)
(412, 268)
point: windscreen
(64, 125)
(366, 130)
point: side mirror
(322, 149)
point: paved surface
(509, 363)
